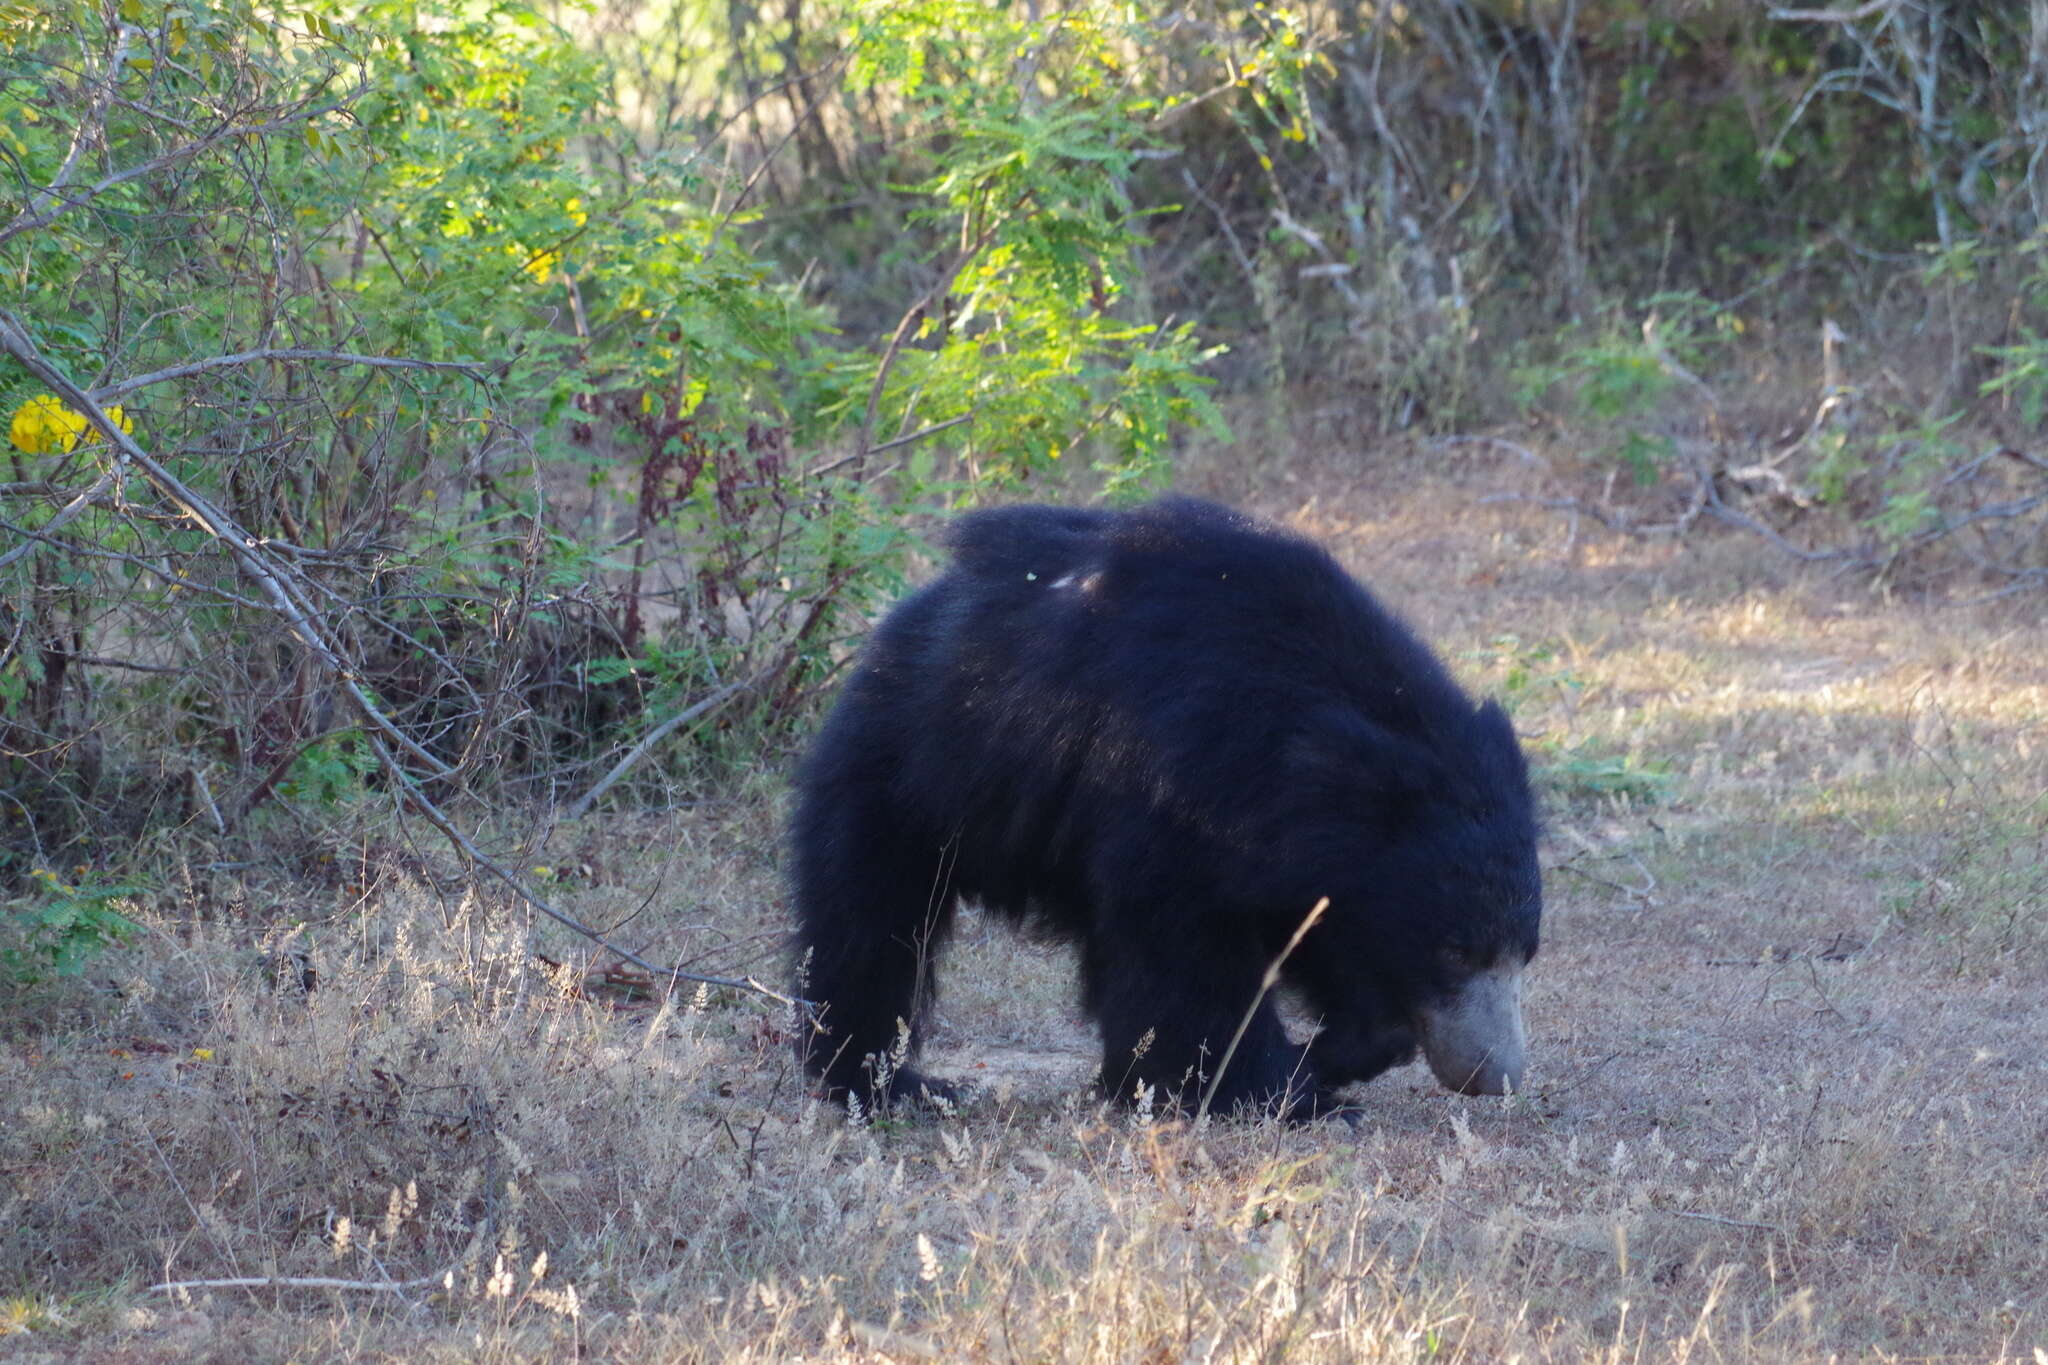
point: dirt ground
(1786, 1094)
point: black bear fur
(1163, 734)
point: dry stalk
(1266, 984)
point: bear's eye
(1457, 957)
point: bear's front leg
(873, 911)
(1346, 1055)
(1169, 1003)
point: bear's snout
(1474, 1040)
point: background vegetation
(569, 368)
(452, 448)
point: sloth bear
(1166, 734)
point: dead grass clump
(437, 1102)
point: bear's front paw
(909, 1087)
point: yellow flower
(539, 264)
(45, 426)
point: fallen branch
(1639, 893)
(1526, 455)
(1580, 507)
(1725, 1222)
(439, 819)
(297, 1282)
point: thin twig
(810, 112)
(920, 434)
(88, 129)
(1573, 1082)
(140, 564)
(931, 430)
(1230, 237)
(940, 288)
(95, 661)
(1644, 893)
(26, 221)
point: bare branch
(911, 439)
(27, 221)
(581, 806)
(131, 665)
(135, 561)
(435, 816)
(940, 288)
(87, 131)
(69, 511)
(108, 392)
(1834, 16)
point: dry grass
(1789, 1096)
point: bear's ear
(1494, 740)
(1341, 757)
